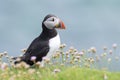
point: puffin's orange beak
(60, 25)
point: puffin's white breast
(54, 44)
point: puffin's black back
(39, 46)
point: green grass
(86, 74)
(66, 73)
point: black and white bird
(47, 42)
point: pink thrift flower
(33, 58)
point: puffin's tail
(23, 59)
(17, 62)
(17, 59)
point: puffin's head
(52, 21)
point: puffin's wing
(38, 48)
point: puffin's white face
(51, 22)
(54, 22)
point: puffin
(46, 43)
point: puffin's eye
(52, 19)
